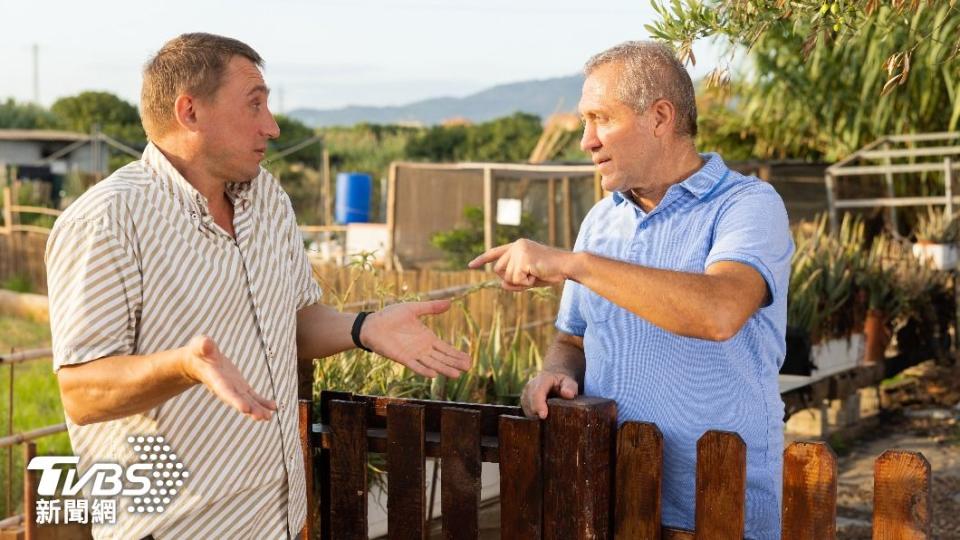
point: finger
(268, 404)
(451, 365)
(489, 256)
(433, 307)
(258, 410)
(417, 367)
(461, 358)
(229, 386)
(513, 288)
(436, 364)
(239, 400)
(500, 268)
(568, 388)
(538, 398)
(525, 401)
(520, 276)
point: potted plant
(885, 296)
(937, 236)
(825, 298)
(921, 327)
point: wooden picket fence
(573, 475)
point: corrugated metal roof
(41, 135)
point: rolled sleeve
(307, 290)
(94, 286)
(570, 317)
(754, 230)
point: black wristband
(355, 331)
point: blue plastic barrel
(353, 197)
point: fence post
(638, 484)
(461, 465)
(29, 492)
(721, 486)
(577, 468)
(809, 492)
(902, 503)
(305, 407)
(327, 397)
(7, 210)
(406, 486)
(348, 470)
(521, 479)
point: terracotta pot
(877, 335)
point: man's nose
(589, 141)
(272, 129)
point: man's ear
(664, 117)
(185, 111)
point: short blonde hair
(189, 63)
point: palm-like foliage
(816, 92)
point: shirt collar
(701, 183)
(183, 190)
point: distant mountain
(541, 97)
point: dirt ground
(922, 410)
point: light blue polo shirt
(687, 386)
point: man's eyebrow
(259, 88)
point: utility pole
(36, 74)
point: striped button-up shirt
(136, 266)
(684, 385)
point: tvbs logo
(151, 482)
(106, 478)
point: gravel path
(921, 415)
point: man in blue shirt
(675, 298)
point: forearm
(565, 356)
(323, 331)
(689, 304)
(119, 386)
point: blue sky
(320, 53)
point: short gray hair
(651, 71)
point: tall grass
(36, 403)
(504, 354)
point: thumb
(433, 307)
(204, 346)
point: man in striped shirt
(181, 299)
(675, 297)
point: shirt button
(281, 405)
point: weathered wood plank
(377, 443)
(721, 486)
(638, 479)
(521, 479)
(578, 449)
(460, 471)
(305, 419)
(348, 471)
(809, 492)
(902, 504)
(323, 467)
(405, 463)
(30, 483)
(489, 414)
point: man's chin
(249, 174)
(611, 184)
